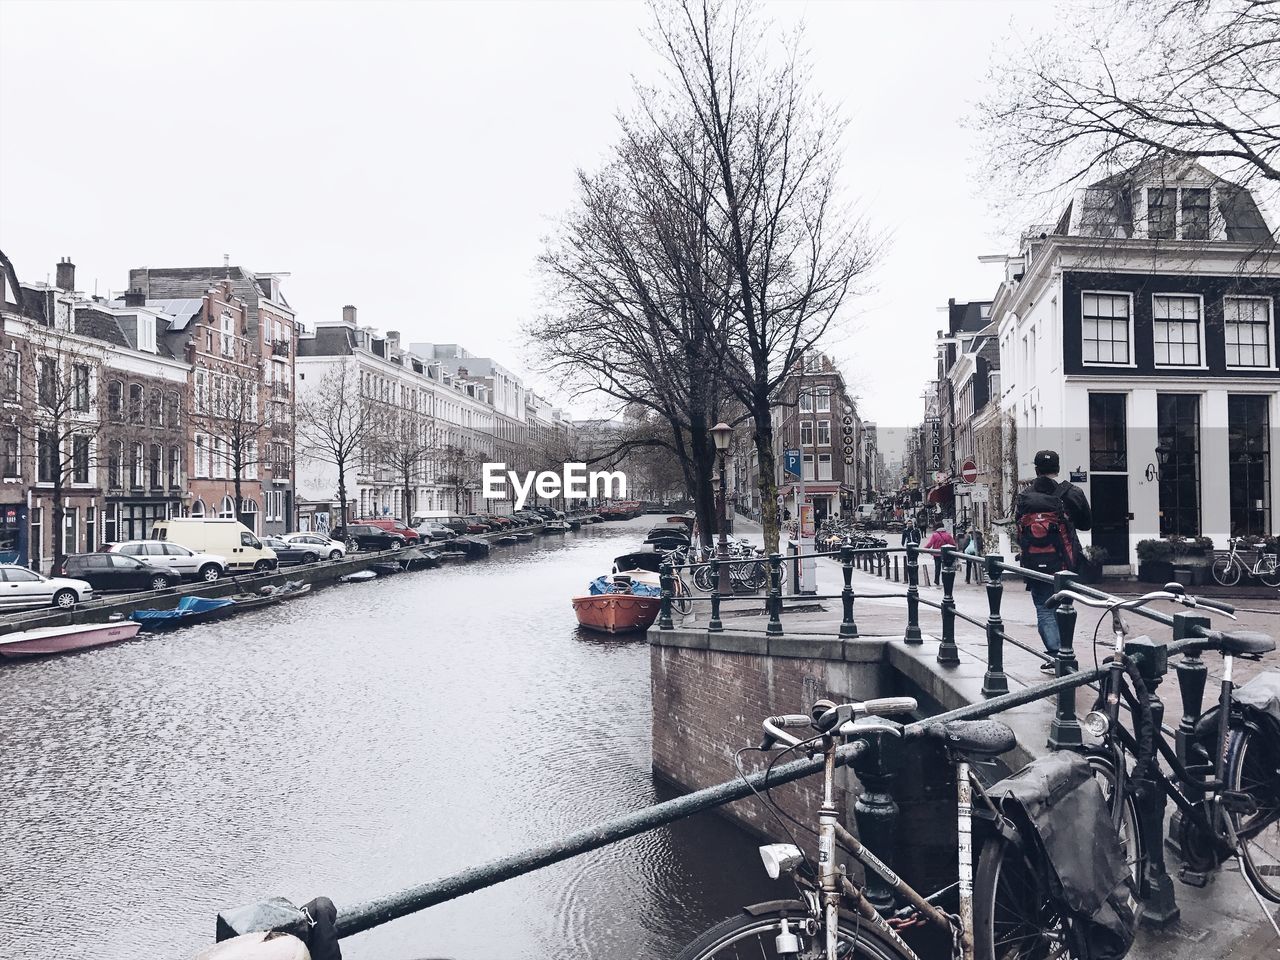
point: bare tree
(226, 406)
(55, 416)
(1116, 86)
(457, 467)
(791, 249)
(406, 441)
(334, 422)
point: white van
(225, 538)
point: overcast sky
(408, 157)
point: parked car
(287, 552)
(528, 516)
(190, 564)
(393, 526)
(478, 524)
(117, 571)
(322, 545)
(222, 538)
(20, 587)
(365, 536)
(432, 530)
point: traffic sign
(791, 462)
(969, 471)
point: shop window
(1249, 456)
(1108, 444)
(1178, 449)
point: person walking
(911, 533)
(974, 547)
(937, 540)
(1048, 514)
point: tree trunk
(59, 512)
(342, 492)
(766, 481)
(236, 487)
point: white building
(1138, 338)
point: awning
(942, 493)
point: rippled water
(351, 743)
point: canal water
(348, 744)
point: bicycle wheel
(702, 578)
(1130, 830)
(1253, 768)
(681, 600)
(1269, 574)
(1014, 918)
(1226, 571)
(755, 936)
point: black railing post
(774, 629)
(948, 652)
(1192, 675)
(714, 625)
(913, 595)
(896, 578)
(664, 611)
(1159, 906)
(1065, 729)
(848, 629)
(994, 681)
(876, 814)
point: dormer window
(1178, 213)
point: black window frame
(1178, 418)
(1249, 463)
(1108, 432)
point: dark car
(287, 552)
(116, 571)
(365, 536)
(527, 516)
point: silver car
(165, 553)
(323, 546)
(20, 587)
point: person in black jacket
(1076, 506)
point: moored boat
(618, 604)
(555, 526)
(48, 640)
(193, 610)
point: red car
(395, 528)
(502, 522)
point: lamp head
(720, 435)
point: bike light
(780, 858)
(1096, 723)
(786, 942)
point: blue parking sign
(791, 462)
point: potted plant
(1155, 561)
(1091, 564)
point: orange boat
(616, 612)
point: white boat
(47, 640)
(556, 526)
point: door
(124, 573)
(1109, 499)
(25, 588)
(97, 569)
(175, 556)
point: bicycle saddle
(1244, 643)
(985, 738)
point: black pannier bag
(1057, 803)
(1262, 696)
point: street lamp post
(721, 433)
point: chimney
(66, 275)
(349, 314)
(393, 337)
(135, 298)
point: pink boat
(47, 640)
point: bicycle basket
(1056, 802)
(1261, 695)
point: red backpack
(1046, 537)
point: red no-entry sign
(969, 472)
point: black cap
(1046, 461)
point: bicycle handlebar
(1172, 592)
(827, 716)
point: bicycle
(1228, 569)
(1227, 793)
(1002, 907)
(748, 571)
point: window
(79, 459)
(250, 460)
(153, 467)
(155, 407)
(9, 453)
(824, 466)
(1249, 456)
(69, 525)
(175, 468)
(806, 433)
(197, 509)
(812, 361)
(824, 433)
(80, 387)
(135, 403)
(1178, 449)
(202, 455)
(1177, 330)
(200, 401)
(1162, 211)
(1105, 328)
(115, 465)
(824, 399)
(1195, 214)
(48, 383)
(806, 402)
(1248, 331)
(173, 403)
(808, 467)
(1108, 447)
(219, 458)
(115, 400)
(136, 467)
(228, 336)
(9, 376)
(47, 457)
(227, 510)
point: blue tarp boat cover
(605, 584)
(187, 606)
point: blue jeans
(1046, 619)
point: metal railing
(1191, 634)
